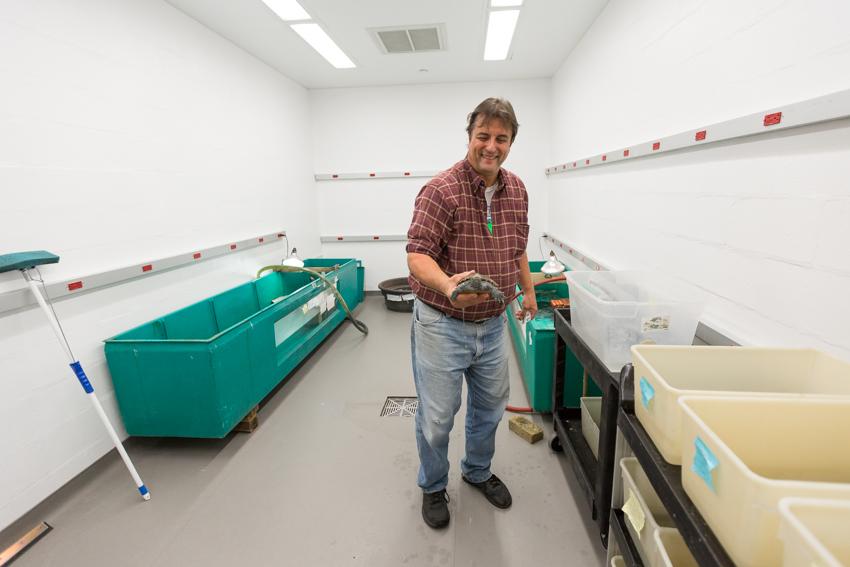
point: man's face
(489, 146)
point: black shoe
(435, 509)
(494, 490)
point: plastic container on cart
(672, 549)
(612, 311)
(815, 532)
(664, 373)
(644, 511)
(742, 455)
(591, 414)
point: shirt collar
(477, 182)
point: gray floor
(323, 481)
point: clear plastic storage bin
(742, 455)
(664, 373)
(672, 550)
(591, 412)
(643, 510)
(815, 532)
(612, 311)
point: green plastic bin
(198, 371)
(534, 344)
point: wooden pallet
(249, 423)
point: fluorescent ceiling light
(505, 3)
(287, 10)
(500, 32)
(322, 42)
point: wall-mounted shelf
(366, 238)
(821, 109)
(373, 175)
(21, 298)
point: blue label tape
(647, 391)
(704, 463)
(81, 376)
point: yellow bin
(815, 532)
(743, 455)
(664, 373)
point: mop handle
(87, 387)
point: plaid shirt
(450, 225)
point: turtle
(479, 284)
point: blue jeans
(444, 350)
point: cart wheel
(555, 444)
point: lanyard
(489, 219)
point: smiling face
(489, 146)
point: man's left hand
(529, 307)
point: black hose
(359, 325)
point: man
(471, 218)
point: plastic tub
(815, 532)
(664, 373)
(196, 372)
(643, 509)
(612, 311)
(397, 294)
(672, 550)
(591, 412)
(742, 455)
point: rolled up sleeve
(431, 224)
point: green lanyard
(489, 220)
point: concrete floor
(324, 481)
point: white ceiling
(546, 33)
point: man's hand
(529, 306)
(463, 300)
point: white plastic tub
(815, 532)
(672, 550)
(643, 509)
(591, 411)
(742, 455)
(612, 311)
(664, 373)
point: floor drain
(400, 407)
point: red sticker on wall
(656, 146)
(700, 136)
(75, 285)
(147, 267)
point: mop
(26, 261)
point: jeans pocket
(424, 314)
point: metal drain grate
(396, 406)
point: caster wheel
(555, 444)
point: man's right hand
(463, 300)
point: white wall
(760, 223)
(128, 132)
(411, 128)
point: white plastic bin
(664, 373)
(591, 411)
(815, 532)
(672, 550)
(612, 311)
(643, 509)
(742, 455)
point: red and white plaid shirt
(450, 225)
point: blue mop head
(23, 260)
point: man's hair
(494, 108)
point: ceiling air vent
(410, 39)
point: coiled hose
(359, 325)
